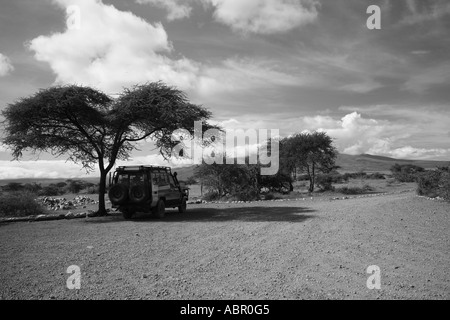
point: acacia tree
(310, 153)
(92, 128)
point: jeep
(146, 189)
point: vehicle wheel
(138, 194)
(182, 208)
(160, 210)
(118, 194)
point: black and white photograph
(224, 155)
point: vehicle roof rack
(140, 168)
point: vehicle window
(163, 179)
(137, 178)
(122, 178)
(155, 178)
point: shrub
(13, 187)
(355, 190)
(211, 196)
(19, 204)
(50, 191)
(191, 180)
(434, 183)
(406, 172)
(325, 182)
(427, 183)
(444, 185)
(376, 175)
(93, 189)
(354, 175)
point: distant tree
(13, 187)
(50, 191)
(406, 172)
(310, 153)
(92, 128)
(75, 186)
(191, 180)
(32, 187)
(236, 180)
(61, 185)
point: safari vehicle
(146, 189)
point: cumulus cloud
(40, 169)
(5, 65)
(355, 134)
(264, 16)
(249, 16)
(176, 9)
(111, 49)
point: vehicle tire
(118, 194)
(182, 208)
(160, 210)
(138, 194)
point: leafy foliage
(311, 153)
(406, 172)
(19, 203)
(434, 183)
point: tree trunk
(101, 194)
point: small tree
(310, 153)
(191, 181)
(406, 172)
(92, 128)
(236, 180)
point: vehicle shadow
(246, 214)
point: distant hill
(346, 162)
(371, 163)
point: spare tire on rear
(118, 194)
(138, 193)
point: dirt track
(316, 249)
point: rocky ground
(300, 249)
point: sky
(292, 65)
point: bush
(211, 196)
(355, 190)
(444, 185)
(427, 183)
(376, 175)
(434, 183)
(191, 181)
(50, 191)
(19, 204)
(94, 189)
(354, 175)
(406, 172)
(325, 182)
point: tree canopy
(309, 153)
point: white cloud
(40, 169)
(264, 16)
(176, 9)
(5, 65)
(248, 16)
(355, 134)
(418, 13)
(112, 49)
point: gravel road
(311, 249)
